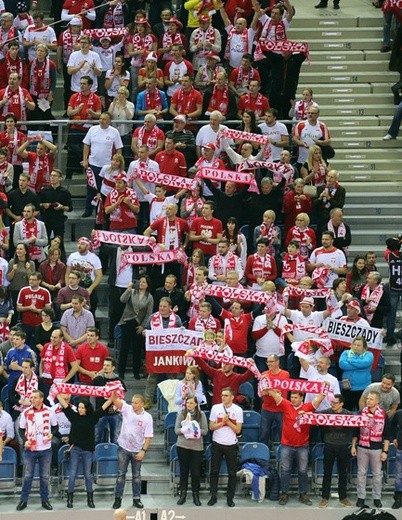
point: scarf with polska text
(234, 293)
(293, 385)
(220, 357)
(99, 33)
(173, 181)
(301, 292)
(87, 390)
(156, 257)
(320, 338)
(244, 136)
(320, 276)
(332, 419)
(24, 389)
(373, 431)
(281, 46)
(121, 239)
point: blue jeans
(396, 121)
(111, 422)
(289, 454)
(398, 470)
(43, 458)
(268, 419)
(395, 297)
(87, 457)
(125, 457)
(386, 28)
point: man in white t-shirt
(225, 422)
(211, 133)
(134, 440)
(277, 133)
(37, 33)
(90, 267)
(84, 63)
(100, 144)
(330, 260)
(309, 132)
(266, 333)
(319, 373)
(306, 316)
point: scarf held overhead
(87, 390)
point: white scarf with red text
(24, 389)
(152, 141)
(29, 229)
(37, 421)
(60, 371)
(114, 17)
(373, 431)
(375, 297)
(39, 78)
(157, 321)
(8, 93)
(217, 262)
(262, 266)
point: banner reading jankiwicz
(166, 349)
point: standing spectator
(171, 291)
(116, 77)
(42, 84)
(336, 448)
(40, 162)
(277, 133)
(226, 421)
(134, 441)
(294, 444)
(327, 262)
(371, 445)
(12, 62)
(72, 287)
(260, 267)
(207, 74)
(329, 196)
(55, 202)
(31, 232)
(171, 160)
(37, 448)
(389, 395)
(38, 33)
(123, 109)
(254, 101)
(152, 100)
(204, 40)
(100, 144)
(169, 38)
(176, 69)
(12, 139)
(75, 322)
(319, 372)
(30, 302)
(19, 270)
(122, 205)
(112, 420)
(393, 258)
(84, 62)
(15, 99)
(341, 231)
(270, 415)
(44, 330)
(375, 299)
(91, 356)
(186, 99)
(58, 362)
(16, 355)
(303, 234)
(240, 77)
(89, 265)
(206, 231)
(356, 364)
(138, 308)
(190, 449)
(82, 105)
(82, 439)
(222, 262)
(68, 42)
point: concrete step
(361, 109)
(364, 142)
(378, 88)
(327, 56)
(354, 76)
(378, 221)
(362, 132)
(369, 237)
(365, 99)
(376, 157)
(371, 177)
(356, 195)
(353, 88)
(344, 34)
(345, 66)
(335, 45)
(377, 209)
(329, 20)
(334, 121)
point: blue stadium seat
(251, 426)
(317, 467)
(174, 469)
(161, 408)
(170, 435)
(254, 450)
(5, 398)
(105, 464)
(8, 469)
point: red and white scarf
(280, 46)
(40, 173)
(207, 36)
(197, 292)
(168, 40)
(245, 136)
(243, 78)
(13, 66)
(238, 293)
(69, 41)
(87, 390)
(193, 207)
(200, 324)
(184, 105)
(156, 257)
(173, 181)
(97, 34)
(220, 357)
(37, 421)
(154, 101)
(268, 232)
(3, 171)
(279, 30)
(8, 93)
(262, 266)
(39, 78)
(205, 70)
(217, 262)
(340, 232)
(223, 104)
(294, 268)
(24, 389)
(29, 229)
(205, 5)
(152, 141)
(373, 432)
(293, 385)
(157, 321)
(143, 43)
(302, 106)
(320, 276)
(319, 336)
(301, 235)
(375, 297)
(114, 17)
(244, 38)
(332, 419)
(301, 292)
(60, 371)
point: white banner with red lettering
(166, 349)
(99, 33)
(172, 181)
(293, 385)
(281, 46)
(123, 239)
(87, 390)
(219, 357)
(333, 419)
(214, 174)
(242, 295)
(245, 136)
(156, 257)
(302, 292)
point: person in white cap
(122, 205)
(204, 40)
(67, 43)
(306, 316)
(150, 70)
(207, 73)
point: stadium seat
(105, 464)
(251, 426)
(174, 469)
(170, 435)
(8, 469)
(254, 450)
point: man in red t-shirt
(171, 161)
(82, 106)
(206, 231)
(91, 356)
(186, 100)
(294, 442)
(58, 361)
(148, 134)
(30, 302)
(122, 205)
(253, 101)
(15, 99)
(269, 410)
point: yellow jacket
(192, 8)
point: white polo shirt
(225, 435)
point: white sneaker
(388, 137)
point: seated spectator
(298, 112)
(342, 234)
(261, 266)
(8, 432)
(207, 73)
(184, 140)
(196, 260)
(191, 205)
(237, 241)
(295, 202)
(204, 40)
(303, 234)
(16, 355)
(220, 97)
(116, 77)
(270, 232)
(203, 319)
(150, 71)
(248, 124)
(315, 169)
(186, 99)
(73, 287)
(240, 77)
(15, 99)
(75, 322)
(6, 309)
(253, 100)
(293, 264)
